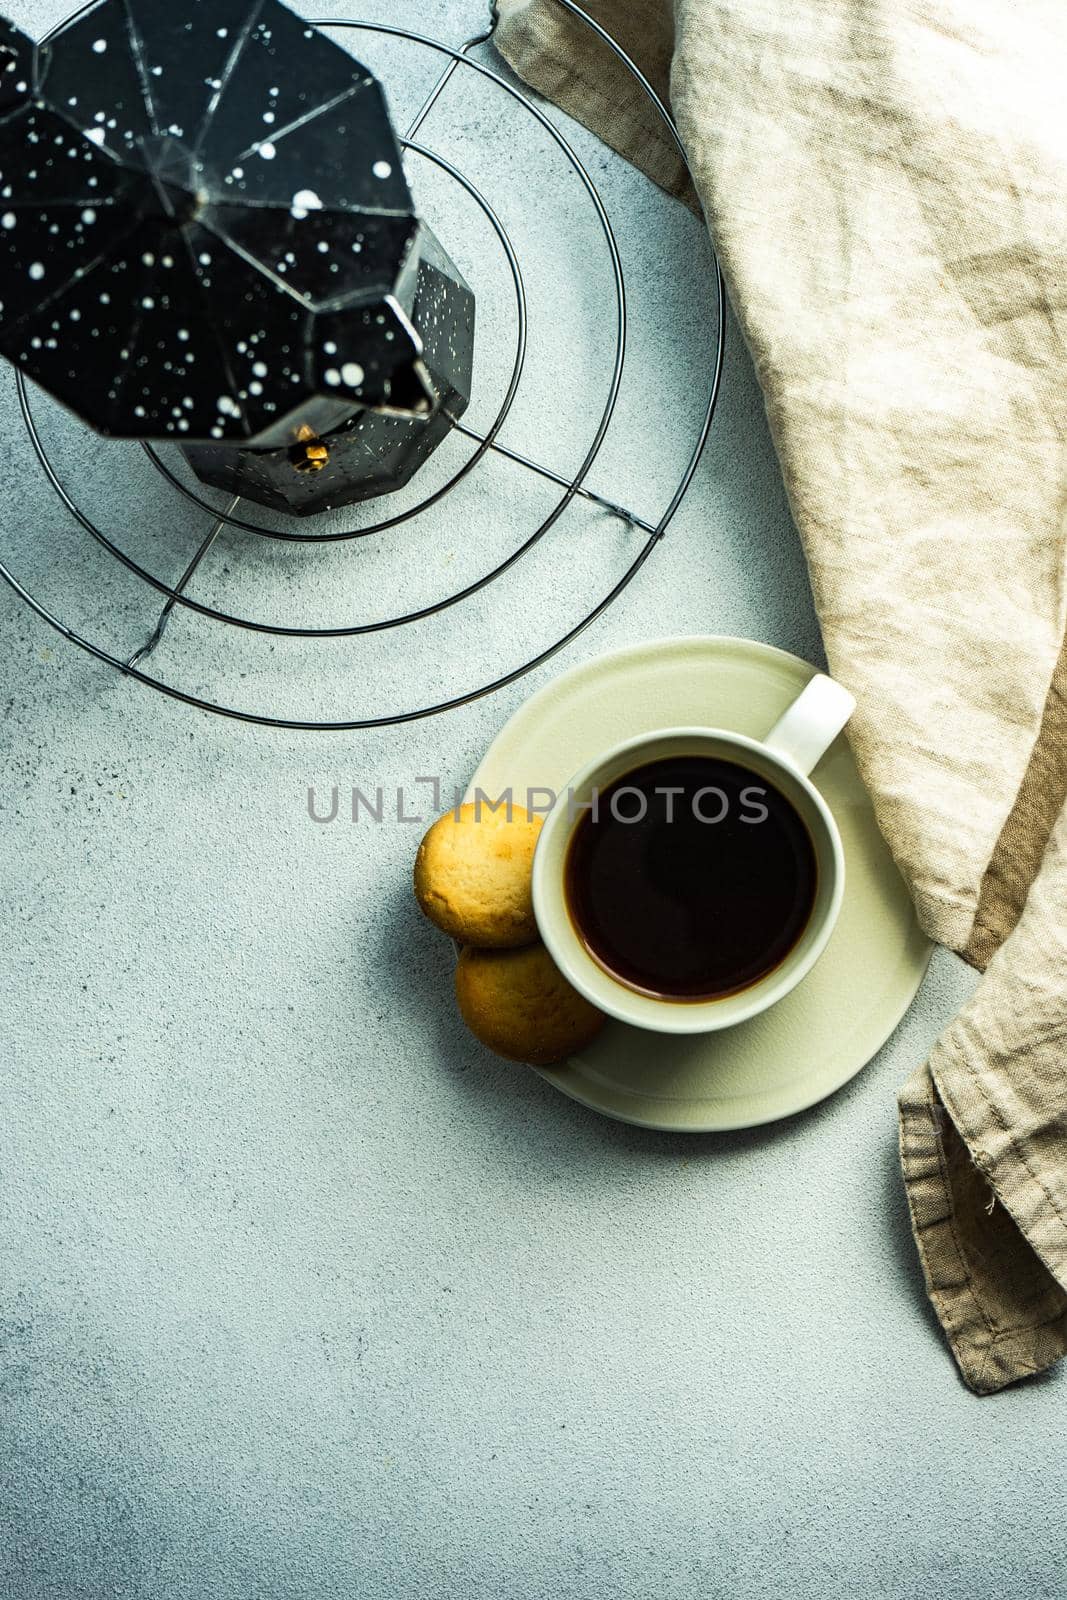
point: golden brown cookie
(519, 1004)
(472, 875)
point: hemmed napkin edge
(991, 1354)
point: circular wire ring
(537, 660)
(179, 597)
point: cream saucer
(818, 1037)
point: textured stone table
(303, 1295)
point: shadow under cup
(627, 999)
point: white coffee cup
(784, 757)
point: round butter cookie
(519, 1004)
(472, 876)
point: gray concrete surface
(303, 1295)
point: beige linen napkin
(885, 183)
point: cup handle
(805, 732)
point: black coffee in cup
(692, 879)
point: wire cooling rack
(573, 488)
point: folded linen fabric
(884, 183)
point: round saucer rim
(760, 655)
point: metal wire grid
(571, 487)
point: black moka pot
(206, 236)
